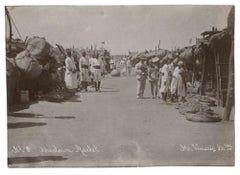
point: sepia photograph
(120, 85)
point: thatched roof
(219, 40)
(160, 54)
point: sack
(38, 47)
(28, 65)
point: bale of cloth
(28, 64)
(38, 47)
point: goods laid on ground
(204, 117)
(193, 106)
(197, 109)
(115, 73)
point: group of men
(89, 70)
(165, 77)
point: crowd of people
(166, 78)
(87, 71)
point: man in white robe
(164, 81)
(70, 73)
(174, 85)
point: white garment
(174, 80)
(97, 67)
(70, 77)
(91, 60)
(84, 69)
(164, 78)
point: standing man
(141, 71)
(84, 70)
(164, 81)
(173, 88)
(181, 83)
(91, 60)
(70, 73)
(97, 68)
(153, 76)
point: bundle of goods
(38, 47)
(28, 64)
(39, 64)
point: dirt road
(114, 128)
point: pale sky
(123, 28)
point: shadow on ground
(19, 160)
(19, 107)
(24, 125)
(31, 115)
(102, 91)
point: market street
(112, 128)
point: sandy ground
(113, 128)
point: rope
(16, 28)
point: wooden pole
(203, 77)
(10, 30)
(230, 90)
